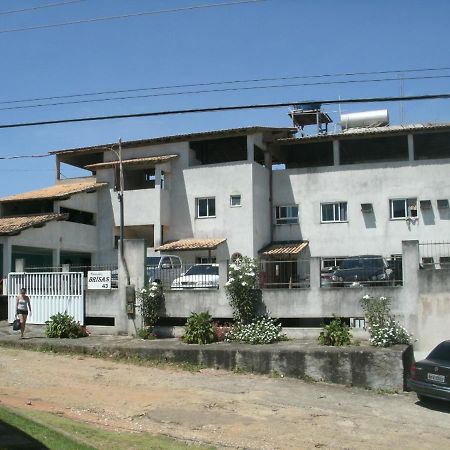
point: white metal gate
(50, 293)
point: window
(334, 212)
(235, 200)
(403, 208)
(206, 207)
(286, 215)
(78, 216)
(205, 260)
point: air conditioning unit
(366, 207)
(425, 204)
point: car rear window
(153, 260)
(442, 352)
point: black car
(431, 376)
(362, 270)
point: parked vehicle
(326, 276)
(199, 276)
(430, 378)
(163, 269)
(362, 270)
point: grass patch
(61, 433)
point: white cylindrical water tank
(365, 119)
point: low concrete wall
(433, 307)
(365, 367)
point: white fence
(50, 293)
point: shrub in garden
(64, 326)
(263, 330)
(336, 333)
(242, 289)
(199, 329)
(151, 299)
(384, 330)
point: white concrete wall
(366, 183)
(261, 208)
(218, 181)
(83, 201)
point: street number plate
(434, 377)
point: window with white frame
(286, 214)
(402, 208)
(333, 212)
(235, 200)
(206, 207)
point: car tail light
(413, 372)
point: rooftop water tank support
(365, 119)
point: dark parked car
(362, 270)
(431, 376)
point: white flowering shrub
(263, 330)
(384, 330)
(151, 299)
(242, 289)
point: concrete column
(410, 147)
(336, 153)
(250, 148)
(314, 273)
(157, 235)
(19, 265)
(7, 255)
(410, 294)
(57, 168)
(157, 178)
(134, 250)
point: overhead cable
(226, 82)
(34, 8)
(228, 108)
(131, 15)
(206, 91)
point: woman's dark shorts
(23, 312)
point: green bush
(199, 329)
(336, 333)
(261, 331)
(146, 333)
(242, 289)
(384, 330)
(151, 298)
(64, 326)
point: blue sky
(275, 38)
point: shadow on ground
(11, 438)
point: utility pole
(121, 209)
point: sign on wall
(99, 279)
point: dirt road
(216, 407)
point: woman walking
(23, 307)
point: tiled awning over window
(191, 244)
(14, 225)
(57, 192)
(284, 248)
(150, 160)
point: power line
(205, 91)
(22, 156)
(229, 108)
(34, 8)
(128, 16)
(227, 82)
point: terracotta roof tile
(132, 162)
(283, 248)
(58, 191)
(14, 225)
(191, 244)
